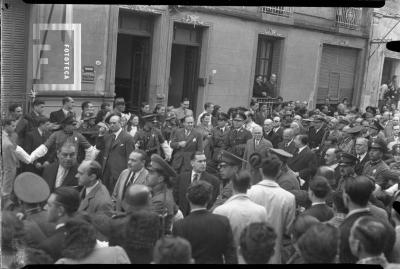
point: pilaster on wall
(111, 54)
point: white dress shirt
(61, 174)
(117, 133)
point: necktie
(131, 176)
(61, 177)
(195, 177)
(83, 194)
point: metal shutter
(13, 54)
(337, 73)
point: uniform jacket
(321, 211)
(117, 194)
(291, 148)
(149, 141)
(209, 246)
(162, 202)
(280, 206)
(237, 140)
(183, 182)
(224, 194)
(315, 138)
(115, 156)
(304, 162)
(241, 211)
(40, 217)
(181, 156)
(218, 141)
(97, 201)
(375, 170)
(287, 180)
(50, 175)
(10, 164)
(251, 148)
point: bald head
(288, 134)
(137, 196)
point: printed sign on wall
(57, 57)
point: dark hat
(388, 175)
(149, 118)
(159, 164)
(31, 188)
(378, 144)
(347, 159)
(229, 158)
(68, 120)
(222, 117)
(281, 153)
(170, 116)
(396, 149)
(355, 129)
(376, 125)
(239, 116)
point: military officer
(150, 139)
(229, 166)
(348, 143)
(32, 191)
(58, 138)
(375, 130)
(375, 166)
(238, 135)
(347, 165)
(218, 139)
(160, 180)
(169, 126)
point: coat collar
(238, 196)
(268, 183)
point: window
(264, 57)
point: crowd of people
(280, 184)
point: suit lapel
(89, 196)
(117, 141)
(123, 182)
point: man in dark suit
(357, 192)
(62, 205)
(63, 171)
(58, 116)
(209, 245)
(362, 154)
(21, 127)
(255, 144)
(34, 139)
(116, 148)
(185, 141)
(316, 132)
(304, 161)
(198, 162)
(287, 143)
(35, 114)
(95, 197)
(319, 190)
(269, 133)
(278, 129)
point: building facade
(161, 54)
(382, 63)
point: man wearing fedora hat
(160, 179)
(150, 139)
(375, 166)
(316, 132)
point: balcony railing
(348, 17)
(278, 11)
